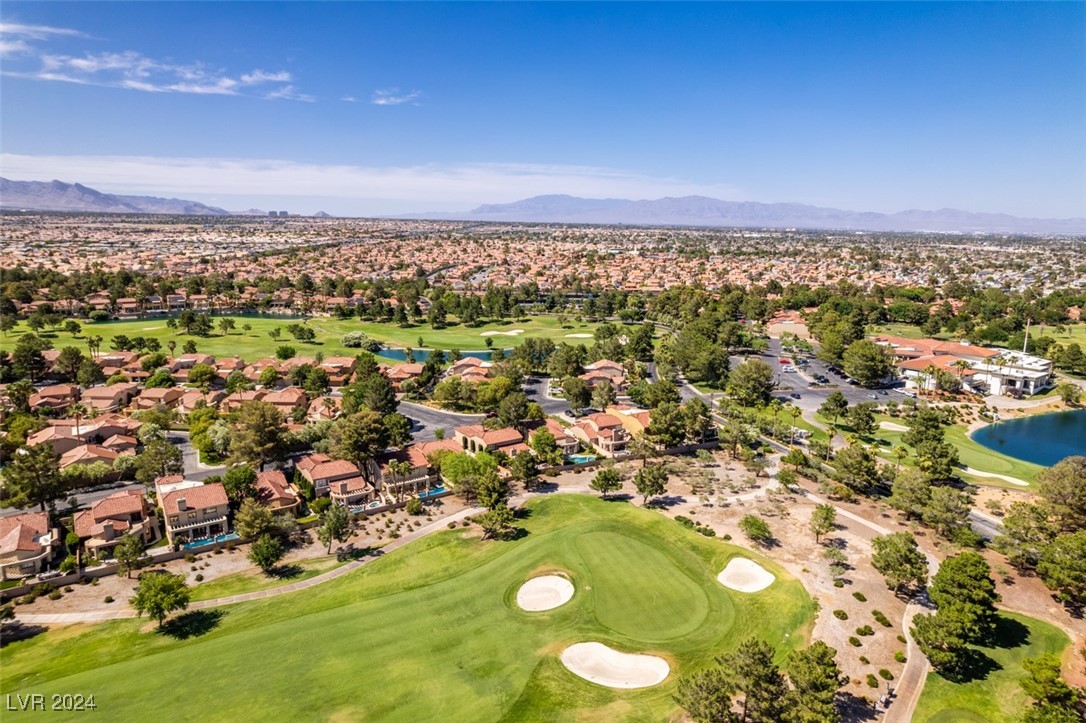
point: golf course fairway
(434, 630)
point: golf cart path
(994, 475)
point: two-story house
(195, 513)
(126, 513)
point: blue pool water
(434, 492)
(582, 458)
(210, 540)
(1043, 439)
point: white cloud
(132, 70)
(259, 76)
(37, 32)
(422, 186)
(349, 99)
(393, 96)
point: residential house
(88, 454)
(165, 396)
(469, 369)
(340, 479)
(195, 513)
(605, 370)
(182, 365)
(603, 431)
(193, 399)
(125, 513)
(287, 400)
(27, 542)
(56, 398)
(477, 438)
(339, 369)
(233, 401)
(400, 373)
(634, 420)
(112, 398)
(323, 409)
(276, 493)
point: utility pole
(1025, 342)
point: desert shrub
(452, 525)
(865, 630)
(189, 557)
(840, 614)
(414, 506)
(859, 596)
(854, 642)
(707, 531)
(899, 656)
(881, 618)
(872, 680)
(885, 674)
(901, 639)
(838, 583)
(864, 660)
(684, 521)
(108, 599)
(199, 577)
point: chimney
(343, 488)
(107, 530)
(182, 503)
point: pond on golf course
(1043, 439)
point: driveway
(428, 419)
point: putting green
(660, 602)
(434, 627)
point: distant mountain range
(685, 211)
(76, 198)
(60, 196)
(703, 211)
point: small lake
(421, 355)
(1043, 439)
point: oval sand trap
(544, 593)
(745, 575)
(602, 665)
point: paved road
(190, 458)
(428, 419)
(84, 498)
(535, 388)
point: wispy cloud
(349, 99)
(132, 70)
(393, 96)
(16, 38)
(420, 187)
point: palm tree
(961, 365)
(78, 411)
(795, 412)
(171, 345)
(929, 375)
(900, 453)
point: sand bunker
(894, 426)
(602, 665)
(579, 336)
(745, 575)
(512, 332)
(544, 593)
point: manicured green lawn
(256, 343)
(997, 697)
(252, 580)
(433, 630)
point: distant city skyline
(379, 109)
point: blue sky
(385, 108)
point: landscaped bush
(872, 680)
(865, 630)
(56, 595)
(414, 506)
(864, 660)
(199, 577)
(707, 531)
(901, 639)
(880, 618)
(684, 521)
(899, 656)
(838, 583)
(886, 674)
(854, 642)
(189, 557)
(859, 596)
(108, 599)
(840, 614)
(452, 525)
(727, 538)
